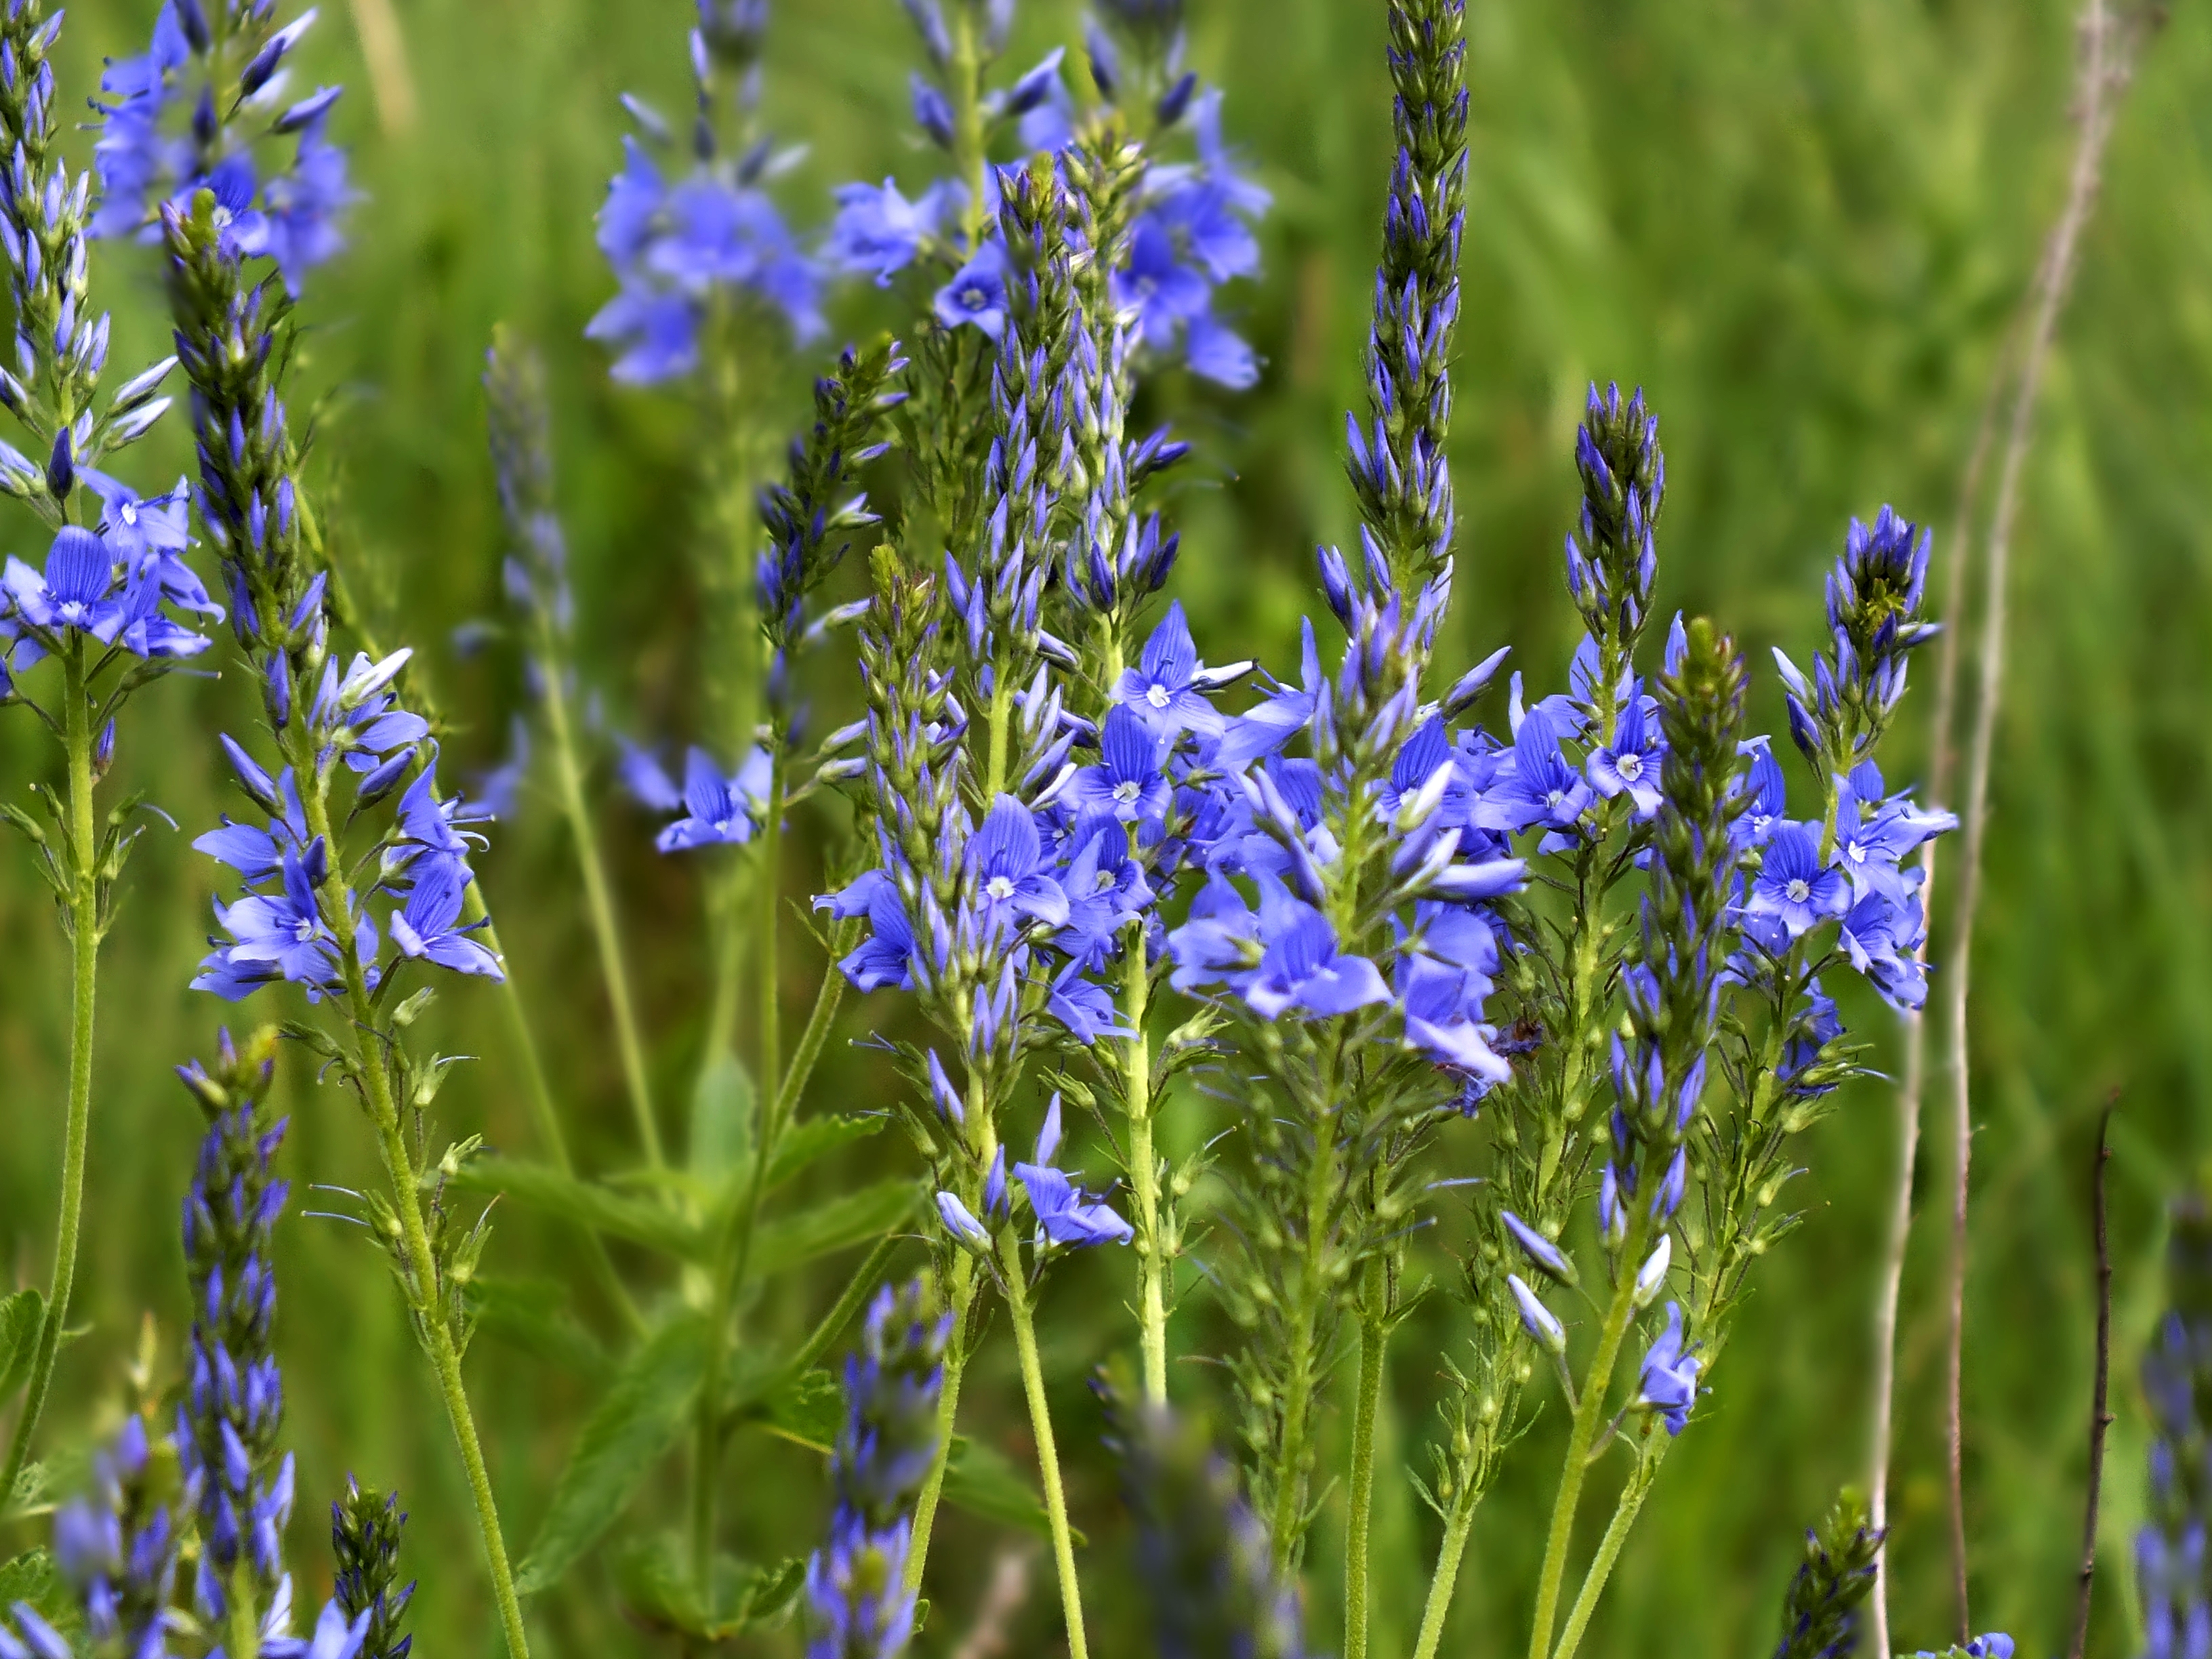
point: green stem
(1590, 1413)
(1144, 1165)
(369, 1065)
(84, 952)
(967, 100)
(1055, 1501)
(545, 1114)
(244, 1620)
(599, 897)
(1608, 1551)
(733, 1250)
(1374, 1340)
(948, 1407)
(1289, 1510)
(1445, 1579)
(995, 778)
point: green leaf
(839, 1224)
(630, 1431)
(21, 1317)
(818, 1138)
(655, 1576)
(985, 1482)
(31, 1578)
(532, 1314)
(722, 1109)
(539, 1187)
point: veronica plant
(216, 1489)
(113, 607)
(350, 842)
(711, 284)
(1820, 1614)
(209, 106)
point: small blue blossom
(1794, 888)
(430, 927)
(977, 296)
(1068, 1215)
(1129, 783)
(1668, 1385)
(719, 811)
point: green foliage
(634, 1425)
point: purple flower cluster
(1874, 597)
(178, 123)
(287, 925)
(120, 587)
(680, 246)
(1191, 232)
(858, 1603)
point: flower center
(1630, 766)
(998, 887)
(1105, 881)
(1799, 889)
(1855, 852)
(304, 929)
(72, 612)
(1125, 791)
(1555, 800)
(130, 512)
(1158, 694)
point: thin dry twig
(987, 1637)
(2100, 1417)
(2106, 59)
(1943, 774)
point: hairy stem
(1055, 1500)
(1374, 1339)
(1289, 1512)
(598, 896)
(1144, 1166)
(84, 953)
(2103, 67)
(369, 1065)
(1589, 1413)
(963, 1297)
(1609, 1550)
(1445, 1579)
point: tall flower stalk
(346, 748)
(106, 609)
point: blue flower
(430, 928)
(1068, 1215)
(877, 233)
(886, 956)
(1105, 889)
(1794, 887)
(76, 592)
(1007, 871)
(1127, 784)
(1670, 1383)
(719, 811)
(1538, 1320)
(1442, 980)
(976, 295)
(1300, 966)
(1537, 785)
(1168, 685)
(1630, 765)
(282, 935)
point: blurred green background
(1803, 227)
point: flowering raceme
(180, 123)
